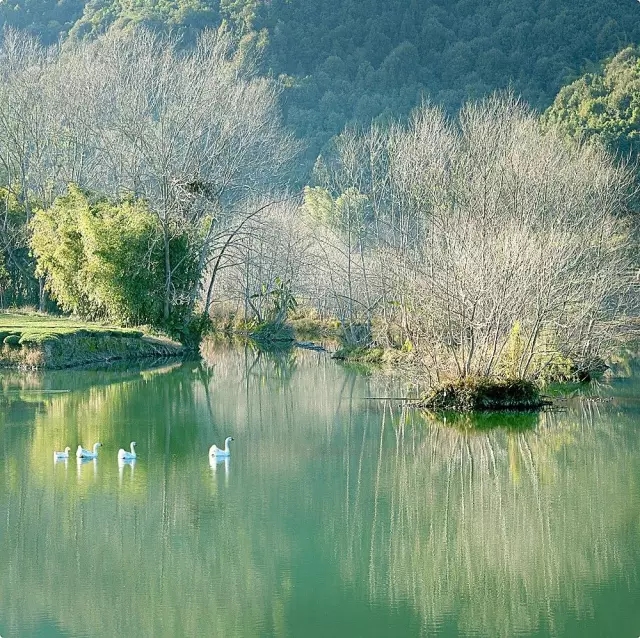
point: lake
(336, 515)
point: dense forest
(604, 106)
(352, 61)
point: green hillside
(354, 60)
(604, 106)
(363, 58)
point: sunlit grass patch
(38, 328)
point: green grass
(33, 341)
(38, 328)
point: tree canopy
(604, 106)
(348, 61)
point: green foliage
(350, 212)
(12, 340)
(57, 245)
(547, 364)
(484, 421)
(346, 214)
(360, 61)
(18, 285)
(318, 203)
(105, 260)
(509, 364)
(280, 300)
(407, 346)
(360, 354)
(603, 106)
(270, 331)
(5, 278)
(188, 333)
(241, 13)
(37, 338)
(182, 17)
(46, 19)
(123, 261)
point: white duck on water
(62, 456)
(81, 453)
(214, 450)
(123, 455)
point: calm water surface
(335, 515)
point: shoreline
(40, 342)
(76, 352)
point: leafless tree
(498, 247)
(195, 133)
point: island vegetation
(154, 170)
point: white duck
(123, 455)
(81, 453)
(214, 450)
(62, 456)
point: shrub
(12, 340)
(483, 393)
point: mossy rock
(37, 338)
(270, 332)
(11, 340)
(360, 354)
(484, 393)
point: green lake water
(335, 515)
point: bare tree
(498, 248)
(194, 133)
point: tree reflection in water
(502, 530)
(495, 525)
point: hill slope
(354, 60)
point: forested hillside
(353, 60)
(604, 106)
(364, 58)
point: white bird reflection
(64, 462)
(214, 462)
(81, 462)
(122, 463)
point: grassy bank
(34, 341)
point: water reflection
(82, 462)
(129, 463)
(343, 516)
(220, 462)
(63, 462)
(503, 530)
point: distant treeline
(351, 61)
